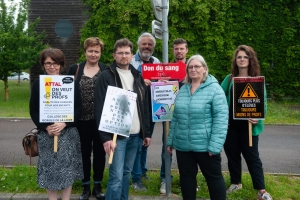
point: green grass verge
(18, 103)
(21, 179)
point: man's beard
(180, 57)
(145, 56)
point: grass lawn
(18, 103)
(10, 180)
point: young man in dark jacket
(123, 75)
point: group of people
(201, 126)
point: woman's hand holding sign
(253, 121)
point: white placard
(56, 98)
(118, 109)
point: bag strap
(77, 71)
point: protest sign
(56, 98)
(248, 101)
(118, 111)
(163, 95)
(164, 71)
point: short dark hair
(93, 41)
(180, 41)
(55, 54)
(124, 42)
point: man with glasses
(123, 75)
(146, 44)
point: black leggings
(237, 143)
(90, 142)
(210, 167)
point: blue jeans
(163, 168)
(139, 167)
(119, 170)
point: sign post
(161, 10)
(248, 99)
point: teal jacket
(200, 121)
(256, 128)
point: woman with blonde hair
(198, 130)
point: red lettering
(52, 84)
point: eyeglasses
(49, 64)
(245, 57)
(123, 53)
(195, 67)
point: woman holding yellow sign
(244, 64)
(56, 170)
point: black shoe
(97, 192)
(86, 192)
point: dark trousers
(237, 143)
(90, 142)
(210, 167)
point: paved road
(279, 147)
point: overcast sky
(15, 2)
(8, 3)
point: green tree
(200, 22)
(214, 29)
(19, 45)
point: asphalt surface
(279, 148)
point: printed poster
(163, 95)
(118, 109)
(248, 97)
(56, 98)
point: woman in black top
(86, 74)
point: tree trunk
(6, 96)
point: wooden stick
(111, 155)
(250, 133)
(55, 143)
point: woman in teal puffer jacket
(198, 130)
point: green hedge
(214, 29)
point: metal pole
(165, 40)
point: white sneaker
(234, 187)
(163, 188)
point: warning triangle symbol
(249, 92)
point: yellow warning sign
(248, 92)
